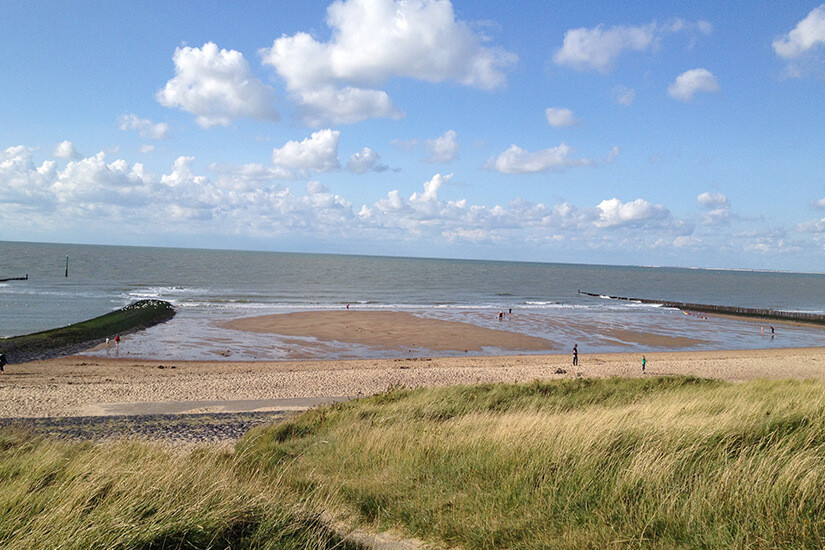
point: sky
(637, 133)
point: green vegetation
(618, 463)
(79, 336)
(615, 463)
(130, 495)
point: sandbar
(389, 330)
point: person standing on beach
(117, 344)
(644, 363)
(3, 362)
(575, 355)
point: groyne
(756, 313)
(86, 334)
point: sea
(68, 283)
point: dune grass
(603, 463)
(132, 495)
(619, 463)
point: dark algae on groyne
(80, 336)
(756, 313)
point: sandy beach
(87, 386)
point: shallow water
(210, 286)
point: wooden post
(67, 266)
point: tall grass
(616, 463)
(656, 463)
(137, 495)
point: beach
(91, 385)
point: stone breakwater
(174, 429)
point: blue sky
(645, 133)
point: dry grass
(607, 463)
(662, 463)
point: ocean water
(208, 287)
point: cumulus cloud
(375, 40)
(217, 86)
(559, 117)
(808, 34)
(318, 153)
(365, 160)
(442, 149)
(345, 105)
(716, 206)
(598, 48)
(66, 150)
(689, 83)
(819, 203)
(615, 213)
(248, 201)
(22, 182)
(813, 226)
(712, 200)
(145, 127)
(516, 160)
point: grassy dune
(136, 495)
(616, 463)
(657, 463)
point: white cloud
(599, 47)
(443, 149)
(217, 86)
(615, 213)
(365, 160)
(690, 82)
(712, 200)
(559, 117)
(516, 160)
(623, 95)
(716, 206)
(813, 226)
(93, 180)
(808, 33)
(345, 105)
(23, 183)
(145, 127)
(818, 204)
(374, 40)
(319, 153)
(247, 202)
(66, 150)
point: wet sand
(84, 385)
(389, 330)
